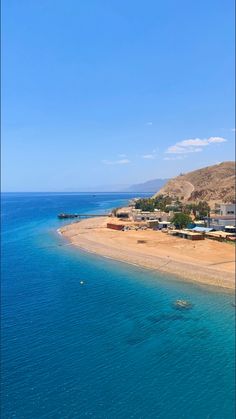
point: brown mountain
(213, 184)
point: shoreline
(204, 262)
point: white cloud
(149, 156)
(113, 162)
(233, 129)
(122, 155)
(193, 142)
(193, 145)
(175, 158)
(216, 140)
(149, 123)
(176, 149)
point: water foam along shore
(206, 262)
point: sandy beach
(206, 262)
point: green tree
(149, 204)
(181, 220)
(200, 210)
(146, 204)
(203, 209)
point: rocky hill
(213, 184)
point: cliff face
(213, 184)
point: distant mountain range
(213, 184)
(149, 186)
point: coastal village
(218, 224)
(187, 229)
(201, 250)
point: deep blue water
(114, 347)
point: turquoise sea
(114, 347)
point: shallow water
(113, 347)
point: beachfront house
(158, 225)
(225, 209)
(219, 222)
(187, 234)
(157, 215)
(220, 235)
(143, 215)
(163, 216)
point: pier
(64, 215)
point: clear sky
(103, 92)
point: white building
(219, 222)
(225, 209)
(143, 215)
(138, 215)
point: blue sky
(105, 92)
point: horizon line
(75, 192)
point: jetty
(65, 215)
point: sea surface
(114, 346)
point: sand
(206, 261)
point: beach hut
(219, 235)
(186, 234)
